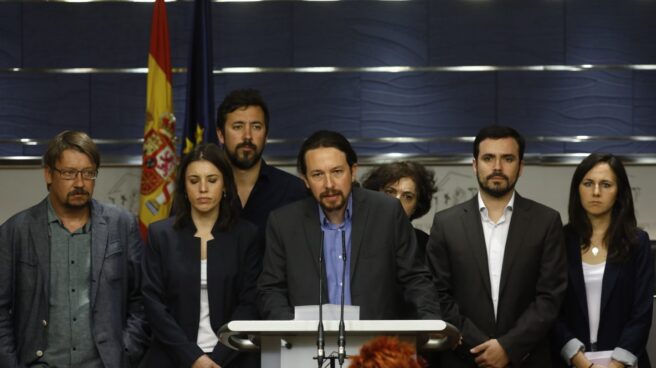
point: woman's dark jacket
(626, 301)
(171, 290)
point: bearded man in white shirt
(500, 260)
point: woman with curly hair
(412, 184)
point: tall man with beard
(242, 127)
(70, 272)
(383, 269)
(500, 260)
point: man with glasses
(70, 271)
(382, 270)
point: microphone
(321, 355)
(341, 339)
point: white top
(496, 235)
(207, 339)
(593, 275)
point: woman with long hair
(608, 304)
(200, 268)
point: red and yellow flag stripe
(159, 157)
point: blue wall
(616, 101)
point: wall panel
(426, 101)
(644, 103)
(426, 104)
(10, 34)
(60, 35)
(610, 32)
(512, 32)
(39, 106)
(255, 36)
(360, 33)
(118, 105)
(567, 103)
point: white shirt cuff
(624, 356)
(570, 349)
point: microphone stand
(341, 339)
(321, 354)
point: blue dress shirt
(332, 252)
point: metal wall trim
(336, 69)
(562, 159)
(433, 139)
(186, 1)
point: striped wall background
(572, 75)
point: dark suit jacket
(422, 240)
(384, 266)
(533, 281)
(171, 290)
(626, 302)
(117, 321)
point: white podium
(286, 344)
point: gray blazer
(384, 266)
(118, 323)
(532, 287)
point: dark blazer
(117, 322)
(533, 281)
(384, 266)
(171, 290)
(422, 240)
(626, 302)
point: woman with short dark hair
(412, 184)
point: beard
(77, 204)
(496, 190)
(336, 205)
(244, 162)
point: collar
(265, 170)
(483, 209)
(325, 223)
(52, 216)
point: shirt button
(39, 353)
(73, 290)
(45, 323)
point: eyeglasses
(71, 174)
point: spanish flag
(159, 156)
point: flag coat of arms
(159, 154)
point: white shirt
(496, 235)
(207, 339)
(593, 276)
